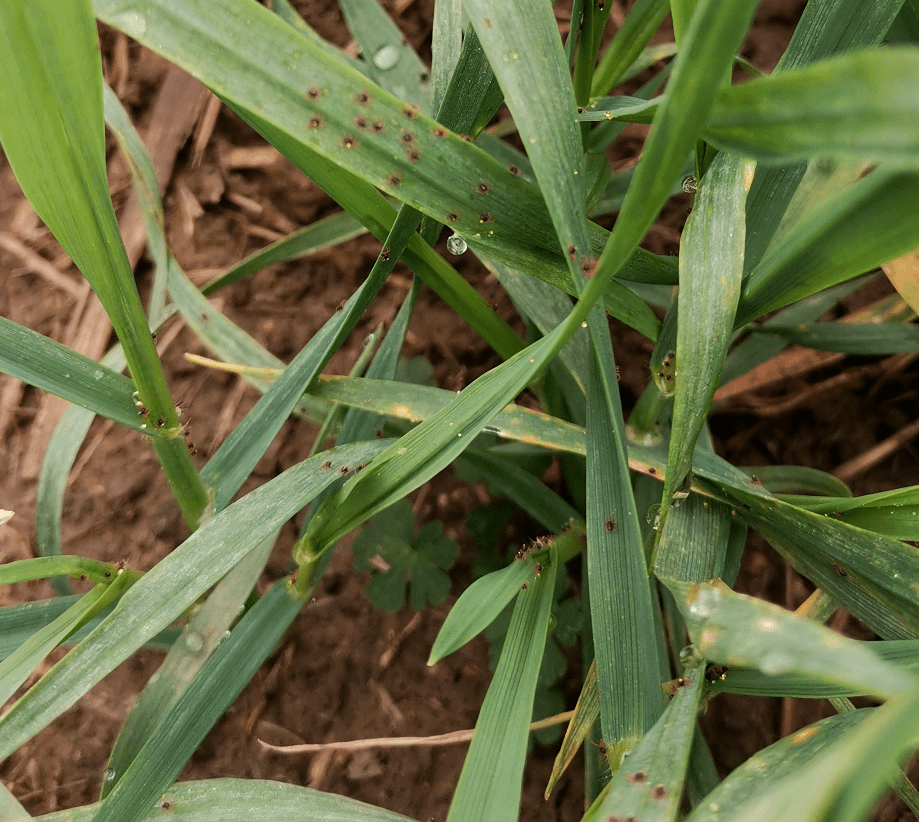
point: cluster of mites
(412, 151)
(538, 544)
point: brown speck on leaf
(588, 267)
(411, 112)
(407, 137)
(485, 217)
(340, 308)
(314, 93)
(326, 465)
(452, 217)
(652, 470)
(378, 126)
(315, 122)
(659, 792)
(439, 132)
(361, 123)
(610, 524)
(840, 570)
(524, 586)
(466, 138)
(514, 170)
(348, 141)
(572, 252)
(394, 179)
(413, 155)
(482, 188)
(362, 99)
(638, 777)
(344, 470)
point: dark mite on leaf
(452, 217)
(326, 465)
(384, 254)
(485, 217)
(514, 170)
(610, 524)
(482, 188)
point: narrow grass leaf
(426, 449)
(238, 455)
(58, 461)
(620, 604)
(10, 808)
(52, 129)
(694, 541)
(242, 800)
(40, 361)
(862, 104)
(180, 731)
(523, 46)
(446, 45)
(865, 339)
(711, 269)
(526, 491)
(872, 576)
(870, 223)
(714, 35)
(19, 665)
(586, 713)
(649, 785)
(478, 606)
(826, 27)
(387, 57)
(640, 23)
(799, 479)
(891, 513)
(171, 587)
(763, 772)
(904, 653)
(832, 770)
(490, 784)
(204, 632)
(325, 233)
(734, 629)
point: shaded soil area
(346, 671)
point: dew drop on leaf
(456, 244)
(386, 58)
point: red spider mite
(482, 188)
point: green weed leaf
(417, 562)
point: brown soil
(347, 671)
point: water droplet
(97, 374)
(386, 58)
(109, 775)
(511, 55)
(775, 662)
(194, 641)
(456, 244)
(653, 516)
(705, 602)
